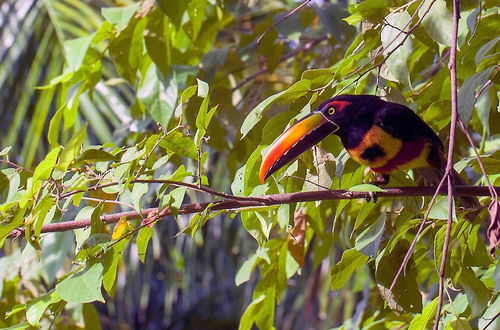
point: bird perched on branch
(381, 135)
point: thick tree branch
(267, 200)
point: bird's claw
(372, 196)
(348, 194)
(381, 180)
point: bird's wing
(401, 122)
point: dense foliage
(112, 107)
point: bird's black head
(346, 108)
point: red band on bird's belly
(409, 151)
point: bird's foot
(372, 196)
(381, 179)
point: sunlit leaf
(438, 21)
(121, 227)
(341, 272)
(477, 293)
(159, 95)
(36, 307)
(366, 187)
(397, 47)
(120, 15)
(75, 51)
(83, 286)
(422, 321)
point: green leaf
(421, 321)
(391, 38)
(440, 209)
(131, 154)
(202, 88)
(405, 295)
(124, 49)
(176, 142)
(238, 184)
(210, 115)
(351, 261)
(16, 309)
(157, 39)
(120, 16)
(372, 10)
(485, 49)
(46, 166)
(271, 48)
(143, 238)
(369, 240)
(139, 190)
(466, 94)
(475, 290)
(75, 51)
(111, 259)
(200, 120)
(243, 274)
(55, 123)
(91, 316)
(91, 156)
(196, 12)
(83, 286)
(256, 114)
(297, 90)
(366, 187)
(187, 94)
(438, 22)
(174, 9)
(459, 324)
(36, 307)
(72, 149)
(248, 318)
(20, 326)
(159, 95)
(490, 313)
(5, 151)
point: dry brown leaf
(297, 237)
(494, 227)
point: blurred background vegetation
(120, 67)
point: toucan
(381, 135)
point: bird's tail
(433, 176)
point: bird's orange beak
(299, 137)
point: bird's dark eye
(331, 110)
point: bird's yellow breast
(376, 137)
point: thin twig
(19, 167)
(492, 320)
(293, 11)
(171, 182)
(478, 158)
(108, 201)
(417, 235)
(449, 164)
(283, 58)
(407, 34)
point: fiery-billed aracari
(382, 135)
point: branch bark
(267, 200)
(449, 164)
